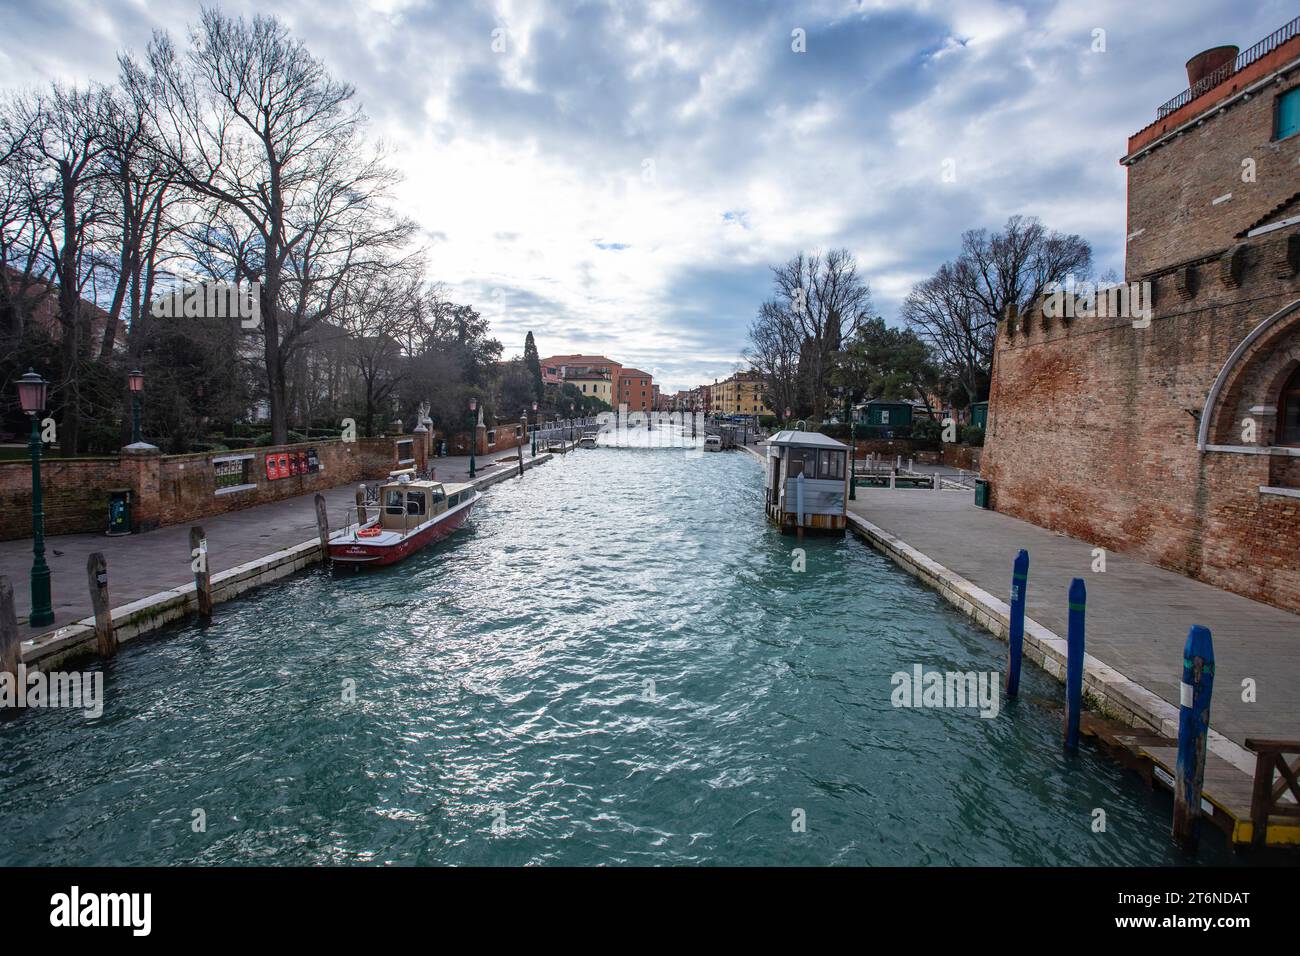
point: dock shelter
(806, 482)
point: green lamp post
(473, 435)
(534, 429)
(32, 391)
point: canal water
(615, 664)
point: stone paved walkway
(1138, 615)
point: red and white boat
(411, 514)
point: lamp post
(32, 391)
(534, 429)
(135, 382)
(473, 435)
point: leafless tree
(819, 301)
(250, 120)
(62, 176)
(956, 311)
(23, 271)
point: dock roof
(806, 440)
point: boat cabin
(405, 504)
(806, 482)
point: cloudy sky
(618, 177)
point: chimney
(1205, 63)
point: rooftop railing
(1211, 80)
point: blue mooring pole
(1074, 663)
(1016, 638)
(1193, 726)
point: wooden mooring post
(1016, 636)
(202, 576)
(323, 528)
(11, 654)
(1193, 728)
(97, 581)
(1074, 663)
(361, 505)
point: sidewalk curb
(1114, 694)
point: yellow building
(742, 394)
(592, 383)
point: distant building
(589, 381)
(742, 394)
(554, 367)
(635, 389)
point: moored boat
(410, 514)
(588, 439)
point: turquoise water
(502, 713)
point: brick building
(635, 389)
(555, 367)
(1175, 436)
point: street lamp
(32, 391)
(473, 435)
(534, 429)
(135, 382)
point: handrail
(1243, 60)
(1266, 797)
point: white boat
(713, 443)
(588, 439)
(409, 515)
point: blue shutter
(1288, 113)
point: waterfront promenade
(140, 565)
(1138, 614)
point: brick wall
(1094, 426)
(75, 493)
(171, 489)
(962, 456)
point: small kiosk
(806, 484)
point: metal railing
(1211, 80)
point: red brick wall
(177, 488)
(75, 493)
(962, 456)
(1093, 428)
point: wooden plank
(322, 528)
(10, 643)
(202, 575)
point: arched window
(1288, 411)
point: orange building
(635, 389)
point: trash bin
(981, 493)
(119, 511)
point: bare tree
(63, 180)
(23, 272)
(142, 186)
(819, 302)
(249, 119)
(956, 311)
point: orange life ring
(369, 532)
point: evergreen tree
(534, 364)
